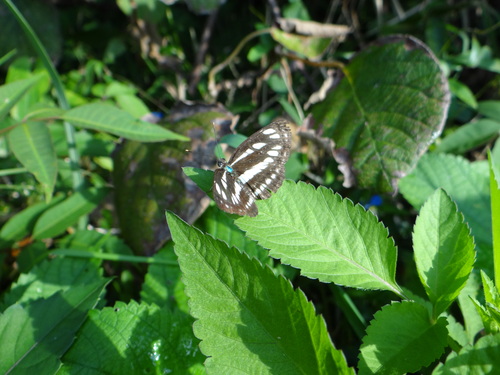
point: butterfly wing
(259, 161)
(256, 169)
(232, 196)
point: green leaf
(221, 226)
(387, 110)
(401, 338)
(495, 215)
(11, 93)
(490, 108)
(325, 236)
(162, 284)
(34, 337)
(247, 318)
(469, 136)
(468, 187)
(152, 339)
(444, 250)
(22, 223)
(308, 46)
(472, 320)
(57, 219)
(201, 177)
(482, 358)
(32, 144)
(109, 119)
(132, 104)
(50, 277)
(462, 92)
(490, 313)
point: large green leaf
(49, 277)
(402, 338)
(109, 119)
(388, 108)
(151, 180)
(152, 339)
(325, 236)
(249, 320)
(32, 144)
(444, 250)
(33, 337)
(468, 186)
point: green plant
(376, 290)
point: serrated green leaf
(221, 226)
(57, 219)
(249, 320)
(152, 339)
(482, 358)
(32, 144)
(325, 236)
(109, 119)
(469, 136)
(34, 337)
(49, 277)
(467, 186)
(444, 250)
(401, 338)
(387, 110)
(490, 290)
(489, 324)
(11, 93)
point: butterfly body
(256, 169)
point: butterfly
(256, 168)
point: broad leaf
(490, 108)
(444, 250)
(32, 145)
(482, 358)
(249, 320)
(151, 339)
(11, 93)
(22, 223)
(109, 119)
(401, 338)
(34, 336)
(49, 277)
(388, 108)
(325, 236)
(60, 217)
(469, 136)
(468, 187)
(162, 284)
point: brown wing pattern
(256, 168)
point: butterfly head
(221, 163)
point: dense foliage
(377, 255)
